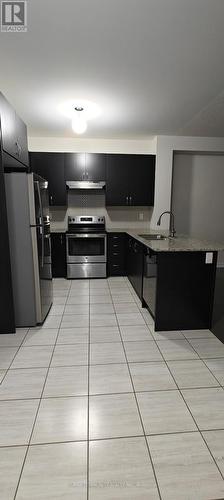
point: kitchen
(111, 270)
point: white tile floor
(97, 405)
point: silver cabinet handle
(42, 223)
(126, 200)
(51, 199)
(61, 239)
(130, 200)
(19, 149)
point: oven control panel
(86, 219)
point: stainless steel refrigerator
(30, 246)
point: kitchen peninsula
(174, 277)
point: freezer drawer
(94, 270)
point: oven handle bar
(86, 235)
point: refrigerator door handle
(42, 223)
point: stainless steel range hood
(85, 185)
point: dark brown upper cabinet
(14, 133)
(50, 166)
(95, 167)
(130, 180)
(85, 167)
(74, 166)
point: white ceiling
(153, 66)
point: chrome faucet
(172, 227)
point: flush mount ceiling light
(79, 124)
(80, 111)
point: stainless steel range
(86, 247)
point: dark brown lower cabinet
(7, 318)
(178, 288)
(218, 310)
(58, 248)
(134, 252)
(116, 254)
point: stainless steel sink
(153, 236)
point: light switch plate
(141, 216)
(209, 258)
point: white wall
(116, 217)
(163, 146)
(70, 145)
(197, 197)
(166, 146)
(92, 204)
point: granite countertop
(181, 243)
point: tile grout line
(36, 415)
(100, 364)
(202, 359)
(139, 413)
(199, 358)
(88, 416)
(73, 396)
(180, 392)
(46, 443)
(18, 348)
(201, 432)
(110, 363)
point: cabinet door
(129, 261)
(95, 169)
(75, 166)
(14, 132)
(135, 265)
(22, 146)
(58, 255)
(130, 180)
(150, 279)
(7, 319)
(137, 280)
(117, 181)
(116, 254)
(8, 127)
(141, 179)
(50, 166)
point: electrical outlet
(141, 216)
(209, 258)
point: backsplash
(91, 203)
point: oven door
(84, 248)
